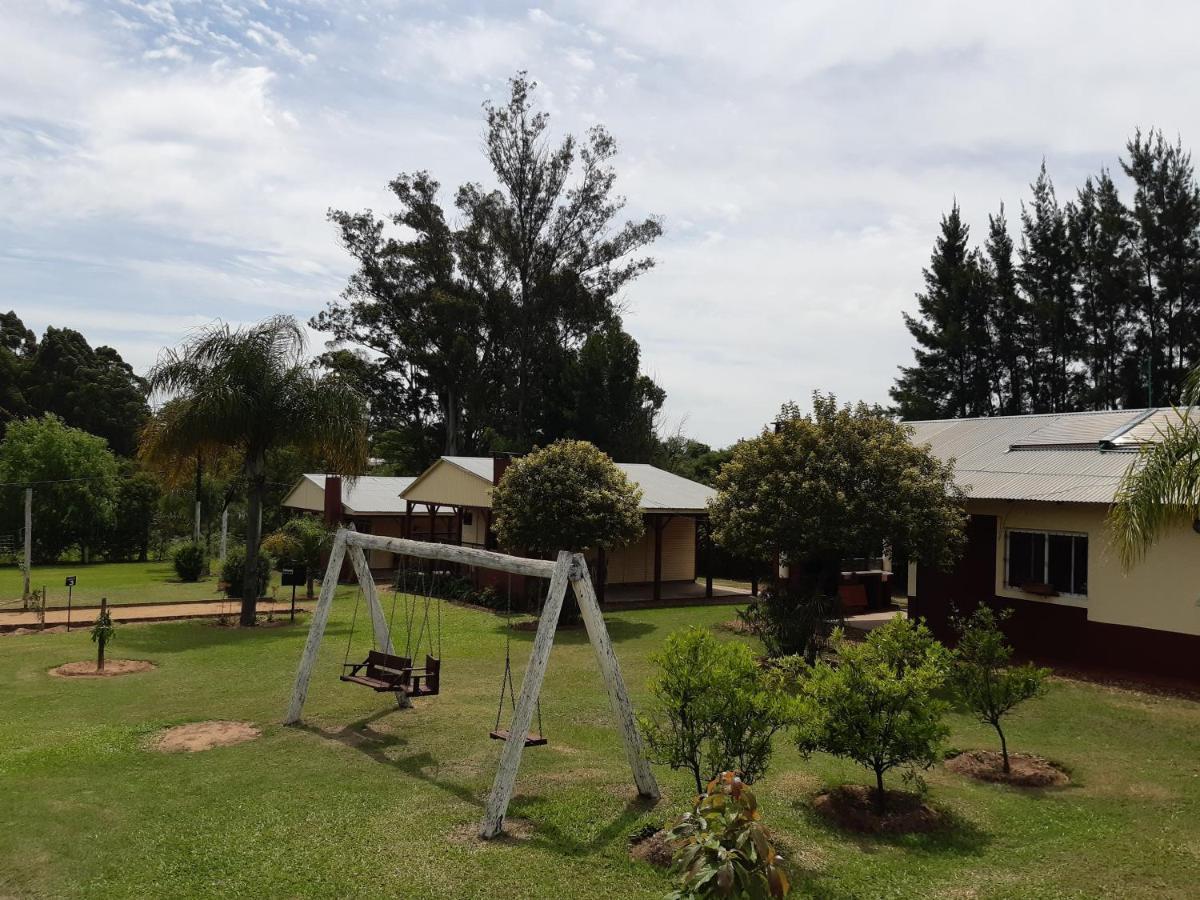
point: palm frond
(1159, 490)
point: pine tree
(1101, 235)
(1046, 277)
(1166, 210)
(1009, 320)
(950, 377)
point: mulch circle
(1027, 770)
(852, 807)
(113, 668)
(653, 847)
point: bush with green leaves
(189, 560)
(233, 570)
(879, 705)
(103, 631)
(299, 542)
(983, 675)
(567, 496)
(789, 623)
(722, 848)
(712, 708)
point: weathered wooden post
(28, 545)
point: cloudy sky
(167, 162)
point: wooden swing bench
(384, 672)
(531, 740)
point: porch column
(406, 529)
(659, 523)
(702, 532)
(458, 525)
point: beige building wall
(635, 563)
(306, 495)
(475, 531)
(446, 483)
(1162, 592)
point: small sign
(293, 576)
(71, 580)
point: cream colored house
(664, 558)
(1038, 491)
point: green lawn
(368, 802)
(121, 583)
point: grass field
(121, 583)
(364, 801)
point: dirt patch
(852, 807)
(654, 847)
(516, 830)
(1027, 770)
(196, 736)
(735, 626)
(113, 668)
(49, 629)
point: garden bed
(852, 807)
(1025, 769)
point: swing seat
(381, 672)
(531, 740)
(425, 682)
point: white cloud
(167, 162)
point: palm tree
(1161, 488)
(250, 390)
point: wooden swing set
(386, 671)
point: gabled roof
(366, 495)
(1062, 457)
(662, 491)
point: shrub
(983, 675)
(712, 709)
(299, 542)
(788, 623)
(879, 705)
(722, 849)
(189, 562)
(234, 567)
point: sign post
(70, 590)
(293, 575)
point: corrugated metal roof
(662, 491)
(1051, 457)
(370, 494)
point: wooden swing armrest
(354, 667)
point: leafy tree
(691, 459)
(722, 848)
(300, 542)
(1161, 488)
(983, 675)
(568, 496)
(135, 507)
(74, 480)
(952, 374)
(17, 346)
(240, 579)
(1101, 234)
(1047, 277)
(1166, 211)
(90, 389)
(607, 400)
(879, 706)
(1009, 320)
(472, 328)
(250, 390)
(838, 483)
(712, 710)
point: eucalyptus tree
(252, 390)
(474, 317)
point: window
(1057, 560)
(468, 518)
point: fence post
(28, 545)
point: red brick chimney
(333, 500)
(500, 462)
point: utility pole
(199, 479)
(28, 545)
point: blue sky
(167, 162)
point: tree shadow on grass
(374, 744)
(199, 634)
(619, 630)
(564, 844)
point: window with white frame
(1039, 560)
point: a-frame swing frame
(568, 569)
